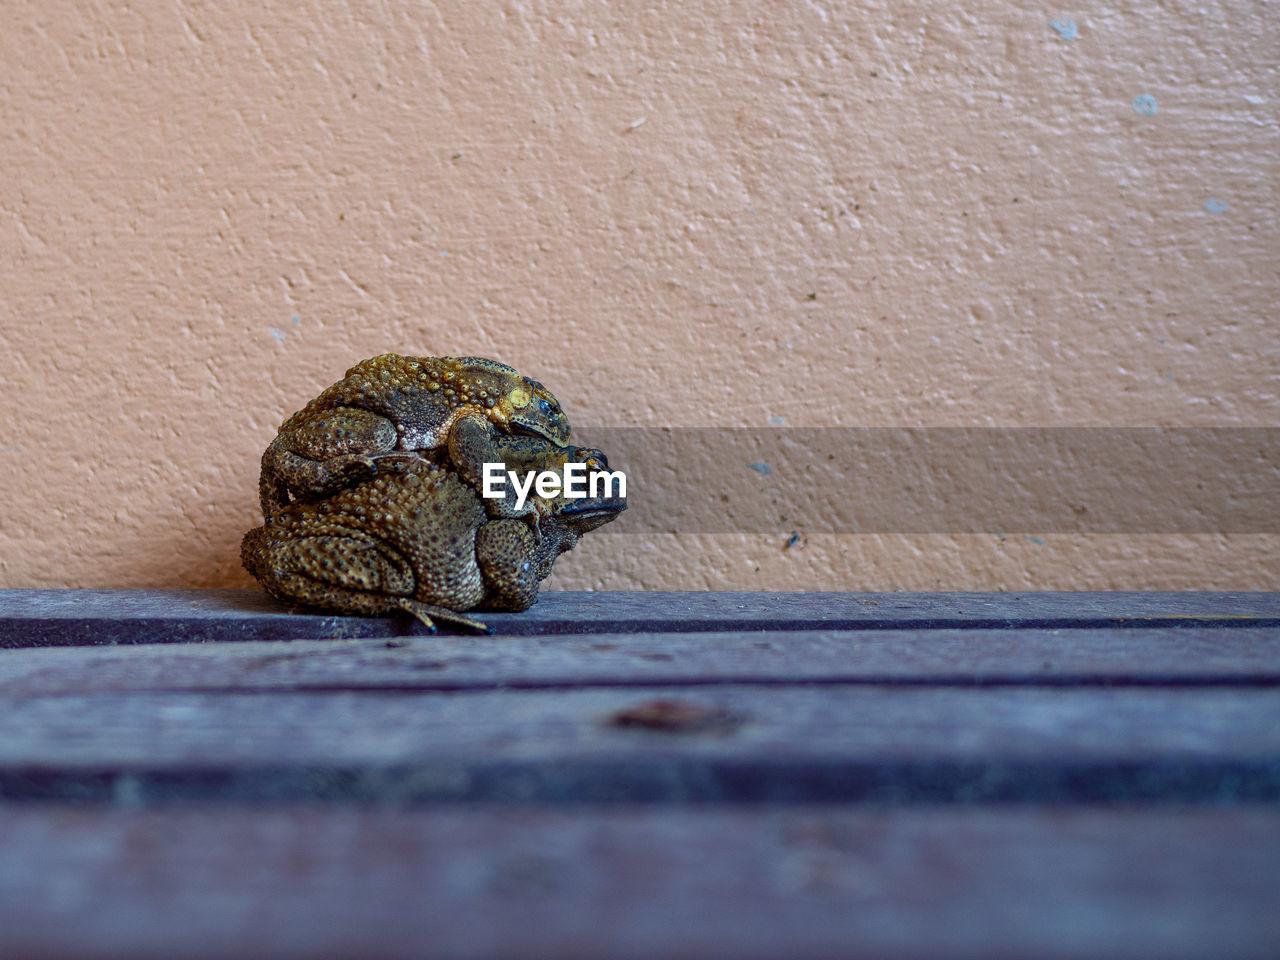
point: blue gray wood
(627, 775)
(81, 617)
(1141, 656)
(584, 746)
(795, 883)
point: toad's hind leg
(338, 571)
(343, 572)
(294, 587)
(298, 588)
(320, 454)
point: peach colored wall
(673, 213)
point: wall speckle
(277, 333)
(761, 468)
(1214, 205)
(1145, 104)
(1066, 29)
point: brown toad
(421, 542)
(391, 407)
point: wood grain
(856, 744)
(1177, 656)
(627, 775)
(87, 617)
(786, 882)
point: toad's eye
(545, 405)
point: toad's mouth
(529, 431)
(585, 508)
(591, 514)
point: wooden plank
(1137, 656)
(228, 728)
(83, 617)
(809, 882)
(669, 782)
(668, 745)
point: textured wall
(678, 213)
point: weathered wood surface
(813, 882)
(1170, 656)
(827, 723)
(80, 617)
(623, 775)
(745, 744)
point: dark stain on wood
(676, 716)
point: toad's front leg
(473, 442)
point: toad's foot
(423, 612)
(399, 462)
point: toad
(420, 541)
(390, 408)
